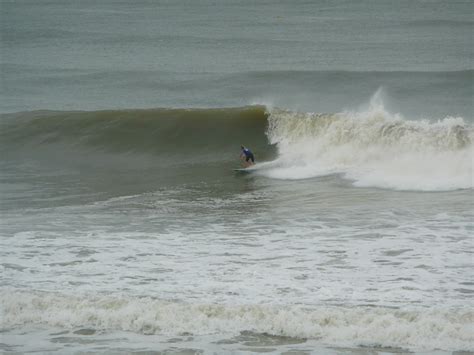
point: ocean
(125, 228)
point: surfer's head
(242, 147)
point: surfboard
(248, 169)
(243, 170)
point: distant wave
(442, 22)
(415, 329)
(466, 73)
(430, 81)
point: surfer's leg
(251, 158)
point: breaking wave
(422, 328)
(372, 148)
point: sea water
(124, 228)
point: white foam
(373, 148)
(423, 328)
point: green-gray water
(124, 227)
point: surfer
(246, 154)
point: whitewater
(373, 148)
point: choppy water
(127, 230)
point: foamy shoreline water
(416, 329)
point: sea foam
(372, 147)
(423, 328)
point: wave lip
(421, 329)
(373, 148)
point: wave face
(154, 131)
(372, 148)
(356, 326)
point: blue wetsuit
(248, 155)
